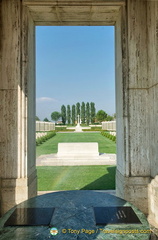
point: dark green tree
(68, 114)
(77, 109)
(63, 114)
(55, 116)
(46, 120)
(87, 113)
(92, 112)
(83, 113)
(109, 118)
(37, 118)
(101, 116)
(73, 117)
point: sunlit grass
(76, 177)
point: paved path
(54, 160)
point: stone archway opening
(90, 14)
(94, 87)
(60, 84)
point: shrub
(92, 129)
(108, 135)
(45, 138)
(38, 141)
(63, 129)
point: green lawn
(76, 177)
(50, 146)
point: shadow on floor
(106, 182)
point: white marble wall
(17, 105)
(109, 125)
(133, 162)
(44, 126)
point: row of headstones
(38, 135)
(113, 133)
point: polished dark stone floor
(30, 217)
(73, 218)
(115, 215)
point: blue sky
(74, 64)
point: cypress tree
(68, 114)
(83, 113)
(63, 114)
(77, 109)
(92, 105)
(73, 114)
(87, 113)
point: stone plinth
(54, 160)
(78, 150)
(134, 190)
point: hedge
(93, 129)
(45, 138)
(64, 129)
(108, 135)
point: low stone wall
(44, 126)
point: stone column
(133, 166)
(152, 14)
(17, 108)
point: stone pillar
(152, 14)
(17, 108)
(133, 165)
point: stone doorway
(136, 91)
